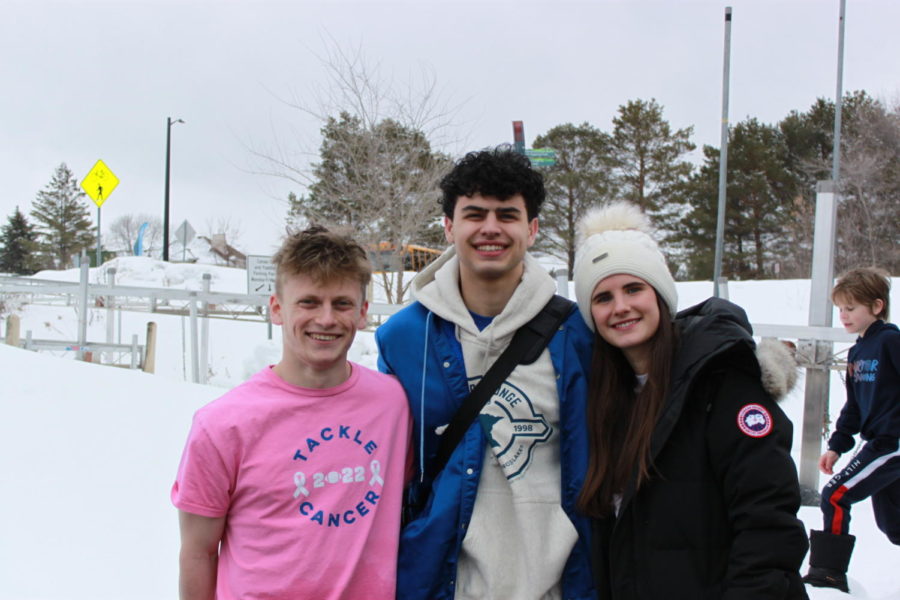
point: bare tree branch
(376, 168)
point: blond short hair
(324, 256)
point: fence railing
(814, 344)
(199, 305)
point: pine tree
(19, 244)
(760, 194)
(648, 162)
(579, 179)
(869, 186)
(63, 220)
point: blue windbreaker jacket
(422, 350)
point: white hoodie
(519, 538)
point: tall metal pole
(165, 255)
(723, 158)
(836, 152)
(818, 381)
(169, 123)
(98, 237)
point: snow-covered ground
(89, 452)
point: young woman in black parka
(690, 482)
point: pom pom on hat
(616, 239)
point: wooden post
(13, 325)
(150, 349)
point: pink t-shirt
(310, 480)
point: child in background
(872, 410)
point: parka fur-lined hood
(716, 326)
(778, 367)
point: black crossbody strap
(526, 347)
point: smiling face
(856, 317)
(319, 322)
(626, 315)
(491, 237)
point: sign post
(519, 136)
(184, 234)
(98, 184)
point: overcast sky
(83, 81)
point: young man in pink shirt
(290, 485)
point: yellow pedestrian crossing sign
(99, 183)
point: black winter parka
(718, 517)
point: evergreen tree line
(380, 180)
(771, 194)
(772, 174)
(60, 230)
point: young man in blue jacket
(498, 521)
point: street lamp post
(169, 123)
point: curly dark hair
(322, 255)
(500, 172)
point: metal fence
(814, 343)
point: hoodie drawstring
(422, 401)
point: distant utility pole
(169, 123)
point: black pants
(871, 473)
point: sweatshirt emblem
(863, 370)
(512, 428)
(755, 421)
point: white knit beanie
(615, 239)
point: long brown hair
(620, 421)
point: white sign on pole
(260, 275)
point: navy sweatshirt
(873, 391)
